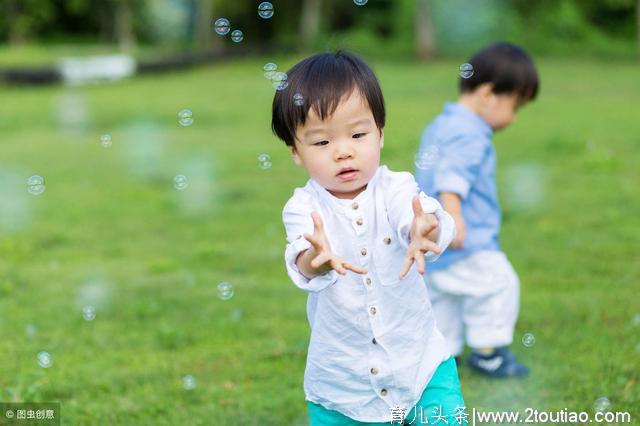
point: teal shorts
(442, 399)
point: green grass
(112, 231)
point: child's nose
(343, 151)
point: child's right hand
(322, 258)
(458, 241)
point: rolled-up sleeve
(457, 175)
(296, 217)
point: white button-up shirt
(374, 343)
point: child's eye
(321, 143)
(359, 135)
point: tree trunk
(310, 23)
(124, 25)
(425, 33)
(638, 26)
(204, 32)
(16, 35)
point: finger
(337, 265)
(314, 241)
(356, 269)
(319, 260)
(417, 207)
(430, 246)
(419, 257)
(406, 266)
(318, 226)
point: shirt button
(372, 310)
(383, 392)
(368, 281)
(359, 221)
(387, 240)
(363, 251)
(374, 341)
(374, 371)
(354, 206)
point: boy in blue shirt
(474, 289)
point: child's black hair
(322, 80)
(507, 67)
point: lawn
(112, 232)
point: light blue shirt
(457, 155)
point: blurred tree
(123, 23)
(24, 16)
(310, 23)
(425, 34)
(204, 12)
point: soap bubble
(185, 117)
(427, 157)
(105, 141)
(44, 359)
(180, 182)
(298, 99)
(237, 36)
(528, 340)
(279, 80)
(466, 70)
(265, 10)
(602, 404)
(188, 382)
(225, 290)
(35, 185)
(264, 161)
(89, 313)
(269, 70)
(222, 26)
(360, 2)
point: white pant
(476, 299)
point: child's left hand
(422, 225)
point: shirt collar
(456, 108)
(361, 198)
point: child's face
(499, 110)
(341, 153)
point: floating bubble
(466, 70)
(222, 26)
(298, 99)
(225, 290)
(265, 10)
(89, 313)
(35, 185)
(269, 70)
(44, 359)
(528, 339)
(237, 36)
(189, 382)
(360, 2)
(427, 157)
(105, 141)
(180, 182)
(279, 80)
(31, 330)
(264, 161)
(602, 404)
(185, 117)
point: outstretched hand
(423, 223)
(322, 257)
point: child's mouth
(348, 174)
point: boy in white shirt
(354, 232)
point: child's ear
(381, 138)
(294, 155)
(485, 90)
